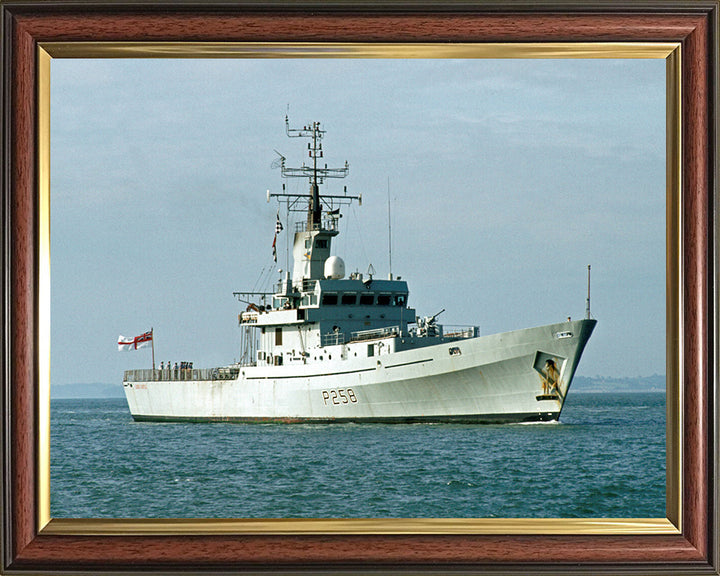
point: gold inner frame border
(671, 52)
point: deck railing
(306, 285)
(178, 374)
(333, 338)
(328, 223)
(376, 333)
(461, 331)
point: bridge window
(308, 300)
(400, 299)
(383, 299)
(321, 243)
(329, 299)
(367, 299)
(348, 299)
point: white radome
(334, 268)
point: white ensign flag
(135, 343)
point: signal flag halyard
(278, 229)
(135, 343)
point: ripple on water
(600, 461)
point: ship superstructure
(329, 347)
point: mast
(315, 173)
(316, 210)
(587, 302)
(313, 237)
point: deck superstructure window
(399, 299)
(278, 336)
(371, 350)
(321, 243)
(329, 299)
(348, 299)
(367, 299)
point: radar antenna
(316, 174)
(278, 162)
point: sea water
(606, 458)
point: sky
(506, 179)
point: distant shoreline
(654, 383)
(599, 391)
(581, 384)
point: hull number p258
(339, 396)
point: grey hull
(490, 379)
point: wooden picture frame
(686, 542)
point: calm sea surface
(605, 459)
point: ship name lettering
(339, 396)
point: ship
(324, 346)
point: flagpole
(152, 339)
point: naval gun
(427, 326)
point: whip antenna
(587, 302)
(390, 276)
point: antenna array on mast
(315, 173)
(314, 201)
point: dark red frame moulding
(25, 24)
